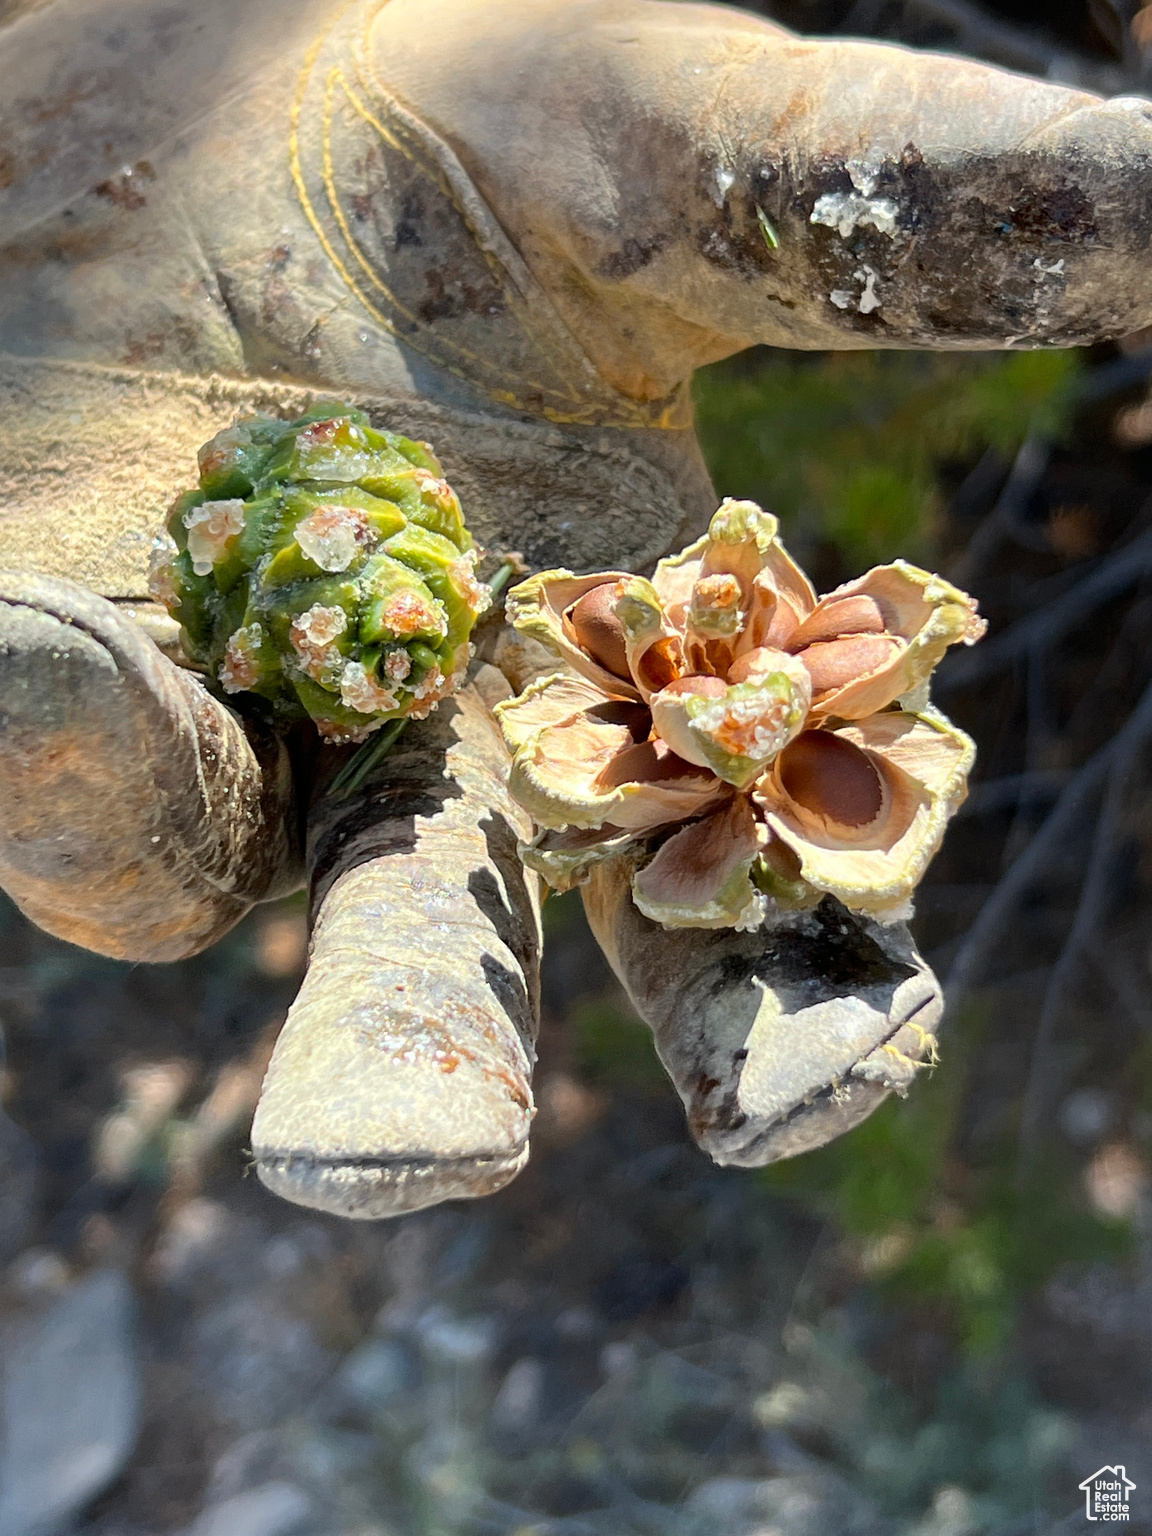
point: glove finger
(402, 1076)
(777, 1040)
(708, 181)
(137, 816)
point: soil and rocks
(625, 1342)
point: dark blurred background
(937, 1326)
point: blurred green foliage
(970, 1242)
(985, 1440)
(990, 1437)
(612, 1046)
(846, 448)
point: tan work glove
(513, 227)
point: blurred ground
(936, 1327)
(625, 1340)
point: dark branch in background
(955, 26)
(958, 26)
(1030, 636)
(1006, 516)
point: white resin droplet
(211, 526)
(241, 665)
(313, 635)
(397, 665)
(360, 690)
(332, 536)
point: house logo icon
(1106, 1494)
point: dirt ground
(627, 1339)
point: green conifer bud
(325, 567)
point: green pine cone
(324, 566)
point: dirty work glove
(510, 228)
